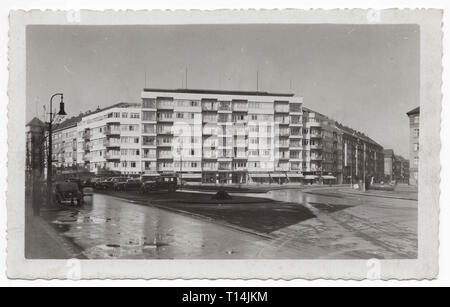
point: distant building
(361, 156)
(109, 139)
(401, 169)
(35, 151)
(389, 162)
(64, 143)
(414, 131)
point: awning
(260, 175)
(328, 177)
(295, 175)
(191, 176)
(311, 177)
(278, 175)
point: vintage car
(159, 183)
(132, 184)
(67, 192)
(119, 183)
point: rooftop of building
(401, 158)
(219, 92)
(356, 133)
(74, 120)
(388, 152)
(305, 109)
(414, 111)
(35, 122)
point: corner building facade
(222, 136)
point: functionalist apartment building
(221, 137)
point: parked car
(132, 184)
(119, 183)
(68, 192)
(104, 184)
(151, 184)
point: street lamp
(49, 157)
(180, 153)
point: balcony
(164, 104)
(224, 107)
(281, 108)
(112, 156)
(210, 106)
(295, 108)
(149, 156)
(316, 147)
(210, 167)
(316, 157)
(165, 131)
(284, 133)
(112, 131)
(240, 107)
(164, 144)
(224, 167)
(210, 155)
(296, 136)
(110, 143)
(315, 135)
(282, 145)
(86, 134)
(282, 121)
(163, 118)
(209, 119)
(311, 123)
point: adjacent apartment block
(218, 137)
(109, 139)
(362, 159)
(414, 122)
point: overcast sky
(365, 76)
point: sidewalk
(42, 241)
(256, 188)
(399, 193)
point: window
(416, 146)
(134, 115)
(416, 132)
(133, 164)
(416, 161)
(416, 119)
(124, 115)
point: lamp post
(179, 151)
(49, 156)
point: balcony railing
(282, 108)
(110, 131)
(224, 107)
(238, 107)
(210, 106)
(112, 156)
(316, 146)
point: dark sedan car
(68, 192)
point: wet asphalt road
(343, 227)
